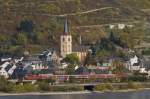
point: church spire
(66, 29)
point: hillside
(100, 11)
(46, 17)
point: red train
(65, 77)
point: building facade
(68, 48)
(66, 42)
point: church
(67, 46)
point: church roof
(66, 29)
(80, 48)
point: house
(3, 72)
(146, 64)
(134, 60)
(53, 57)
(121, 26)
(148, 73)
(134, 63)
(35, 62)
(47, 60)
(135, 67)
(111, 26)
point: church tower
(66, 41)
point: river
(93, 95)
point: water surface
(121, 95)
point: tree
(90, 59)
(118, 67)
(103, 53)
(26, 26)
(70, 70)
(72, 59)
(21, 39)
(106, 44)
(50, 8)
(43, 85)
(41, 37)
(5, 86)
(78, 6)
(112, 37)
(48, 33)
(3, 38)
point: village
(72, 61)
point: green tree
(49, 8)
(118, 67)
(103, 54)
(3, 38)
(48, 33)
(90, 59)
(5, 86)
(22, 39)
(78, 6)
(72, 59)
(43, 85)
(70, 70)
(26, 26)
(41, 37)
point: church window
(68, 39)
(63, 39)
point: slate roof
(32, 58)
(80, 48)
(66, 28)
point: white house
(134, 60)
(133, 64)
(111, 26)
(121, 26)
(3, 72)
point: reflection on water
(94, 95)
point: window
(68, 39)
(63, 39)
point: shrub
(72, 79)
(30, 88)
(24, 88)
(5, 86)
(43, 86)
(103, 87)
(134, 85)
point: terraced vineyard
(47, 16)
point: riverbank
(44, 87)
(71, 93)
(50, 93)
(127, 90)
(43, 93)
